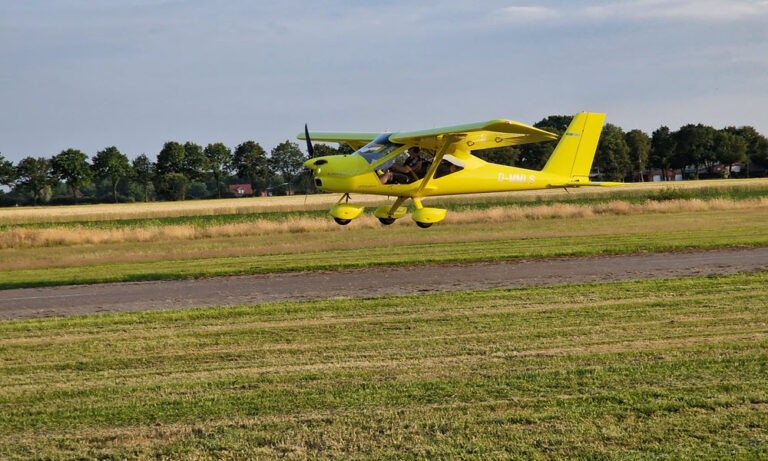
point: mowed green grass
(398, 245)
(670, 369)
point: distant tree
(499, 155)
(275, 184)
(218, 158)
(35, 174)
(170, 159)
(287, 160)
(662, 150)
(324, 150)
(757, 145)
(534, 156)
(195, 162)
(197, 190)
(344, 149)
(72, 167)
(173, 186)
(694, 146)
(142, 171)
(709, 157)
(639, 145)
(170, 163)
(250, 162)
(730, 148)
(112, 165)
(7, 172)
(612, 157)
(555, 122)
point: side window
(448, 165)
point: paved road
(143, 296)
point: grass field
(663, 369)
(169, 258)
(627, 219)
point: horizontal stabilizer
(586, 184)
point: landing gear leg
(419, 206)
(388, 215)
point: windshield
(377, 148)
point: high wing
(353, 140)
(476, 136)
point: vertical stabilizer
(573, 156)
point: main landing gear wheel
(386, 221)
(423, 225)
(342, 222)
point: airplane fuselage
(352, 174)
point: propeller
(310, 148)
(311, 152)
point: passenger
(411, 170)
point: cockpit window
(377, 149)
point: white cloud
(524, 14)
(685, 10)
(672, 10)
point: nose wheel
(386, 221)
(423, 225)
(344, 213)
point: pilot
(412, 168)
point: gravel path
(143, 296)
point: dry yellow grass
(616, 207)
(71, 235)
(55, 214)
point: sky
(137, 73)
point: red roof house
(241, 190)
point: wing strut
(448, 141)
(395, 205)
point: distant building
(671, 175)
(241, 190)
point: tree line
(191, 171)
(180, 171)
(631, 155)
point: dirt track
(142, 296)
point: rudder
(575, 152)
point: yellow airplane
(444, 165)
